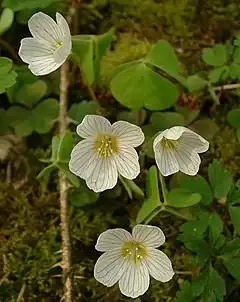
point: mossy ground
(29, 220)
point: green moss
(227, 149)
(127, 48)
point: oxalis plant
(107, 152)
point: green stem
(164, 188)
(176, 213)
(153, 214)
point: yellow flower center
(59, 43)
(134, 250)
(168, 143)
(106, 145)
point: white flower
(105, 151)
(176, 149)
(131, 258)
(50, 46)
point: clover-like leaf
(138, 85)
(44, 115)
(7, 75)
(87, 51)
(164, 120)
(215, 56)
(220, 178)
(78, 111)
(181, 198)
(17, 5)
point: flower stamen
(168, 143)
(106, 145)
(135, 250)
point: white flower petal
(104, 175)
(62, 23)
(188, 160)
(165, 158)
(83, 159)
(45, 28)
(109, 267)
(149, 236)
(135, 280)
(159, 265)
(62, 52)
(127, 162)
(128, 134)
(194, 141)
(92, 125)
(31, 50)
(111, 239)
(174, 133)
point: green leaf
(65, 147)
(103, 42)
(83, 53)
(233, 267)
(197, 184)
(138, 85)
(70, 176)
(215, 226)
(17, 5)
(7, 75)
(185, 293)
(236, 55)
(87, 51)
(83, 196)
(232, 249)
(205, 127)
(195, 83)
(20, 119)
(152, 202)
(234, 71)
(163, 56)
(4, 125)
(218, 74)
(231, 257)
(30, 94)
(133, 117)
(44, 115)
(165, 120)
(220, 179)
(78, 111)
(209, 285)
(181, 198)
(233, 117)
(47, 171)
(215, 56)
(235, 217)
(6, 20)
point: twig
(21, 293)
(227, 87)
(66, 246)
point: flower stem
(176, 213)
(164, 188)
(153, 214)
(63, 184)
